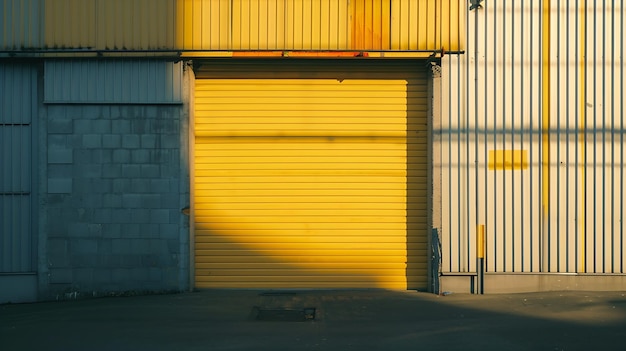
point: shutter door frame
(415, 192)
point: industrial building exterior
(166, 145)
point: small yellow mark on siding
(508, 159)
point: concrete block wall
(116, 181)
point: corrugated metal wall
(423, 25)
(600, 143)
(109, 24)
(113, 81)
(18, 101)
(229, 25)
(532, 139)
(20, 24)
(319, 25)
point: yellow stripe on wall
(309, 181)
(508, 159)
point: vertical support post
(480, 228)
(189, 79)
(545, 137)
(582, 132)
(435, 262)
(480, 259)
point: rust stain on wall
(371, 24)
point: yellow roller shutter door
(311, 175)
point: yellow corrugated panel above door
(310, 175)
(199, 27)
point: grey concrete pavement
(343, 320)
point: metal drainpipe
(480, 239)
(545, 138)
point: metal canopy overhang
(185, 54)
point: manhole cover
(283, 315)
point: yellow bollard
(480, 258)
(480, 241)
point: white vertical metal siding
(601, 240)
(113, 81)
(563, 211)
(17, 101)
